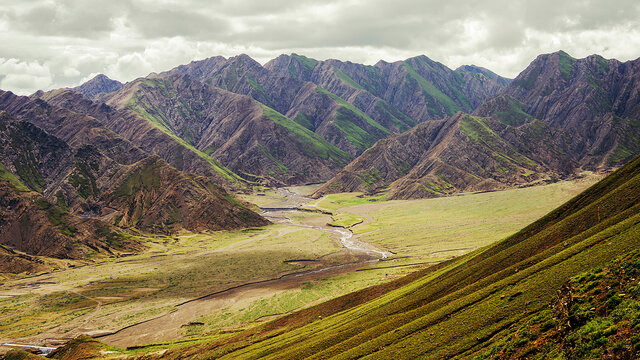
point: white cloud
(22, 77)
(48, 44)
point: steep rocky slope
(32, 227)
(98, 86)
(462, 153)
(595, 100)
(246, 136)
(66, 177)
(558, 117)
(153, 196)
(145, 135)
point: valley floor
(203, 286)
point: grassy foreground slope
(456, 309)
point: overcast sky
(48, 44)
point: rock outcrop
(559, 117)
(98, 86)
(70, 186)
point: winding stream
(346, 236)
(168, 326)
(291, 204)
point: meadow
(114, 293)
(429, 230)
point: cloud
(22, 77)
(125, 39)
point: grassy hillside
(311, 144)
(12, 179)
(457, 308)
(156, 118)
(596, 316)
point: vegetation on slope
(306, 63)
(629, 144)
(513, 113)
(458, 307)
(12, 179)
(479, 131)
(346, 79)
(313, 145)
(354, 109)
(157, 119)
(595, 316)
(429, 89)
(347, 118)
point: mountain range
(163, 152)
(295, 119)
(411, 129)
(559, 117)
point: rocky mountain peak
(100, 84)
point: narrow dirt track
(167, 327)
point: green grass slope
(159, 120)
(311, 144)
(457, 308)
(12, 179)
(347, 118)
(596, 316)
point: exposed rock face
(558, 117)
(65, 176)
(98, 86)
(153, 196)
(596, 101)
(246, 136)
(38, 159)
(480, 84)
(436, 158)
(32, 225)
(144, 135)
(26, 227)
(12, 262)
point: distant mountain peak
(243, 58)
(479, 70)
(100, 84)
(472, 68)
(101, 77)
